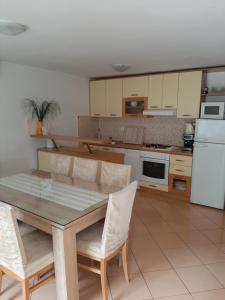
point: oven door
(154, 170)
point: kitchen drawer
(154, 186)
(181, 160)
(180, 170)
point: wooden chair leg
(1, 275)
(104, 283)
(125, 260)
(26, 291)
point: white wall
(17, 82)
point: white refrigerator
(208, 172)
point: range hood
(160, 112)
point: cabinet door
(170, 91)
(155, 91)
(114, 94)
(132, 158)
(189, 94)
(98, 98)
(135, 86)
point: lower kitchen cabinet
(180, 175)
(181, 185)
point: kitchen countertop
(177, 150)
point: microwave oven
(212, 110)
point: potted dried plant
(41, 110)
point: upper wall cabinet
(170, 91)
(189, 94)
(114, 95)
(135, 86)
(98, 98)
(155, 91)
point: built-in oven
(154, 167)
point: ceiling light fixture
(120, 67)
(11, 28)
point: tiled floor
(177, 252)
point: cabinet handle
(134, 95)
(154, 106)
(113, 115)
(187, 115)
(106, 149)
(180, 160)
(152, 185)
(96, 114)
(178, 170)
(168, 106)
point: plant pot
(39, 128)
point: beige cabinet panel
(170, 91)
(135, 86)
(182, 160)
(114, 95)
(155, 91)
(44, 161)
(98, 98)
(180, 170)
(189, 94)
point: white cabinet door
(98, 98)
(132, 158)
(114, 95)
(155, 91)
(135, 86)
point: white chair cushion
(89, 240)
(39, 252)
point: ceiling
(86, 37)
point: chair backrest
(115, 174)
(117, 221)
(60, 164)
(12, 254)
(85, 169)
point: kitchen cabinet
(98, 98)
(170, 91)
(155, 91)
(180, 175)
(189, 94)
(114, 95)
(135, 86)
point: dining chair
(115, 174)
(28, 258)
(85, 169)
(101, 242)
(60, 164)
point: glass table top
(56, 198)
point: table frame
(64, 247)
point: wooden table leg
(64, 247)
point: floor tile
(208, 253)
(164, 283)
(136, 289)
(115, 270)
(169, 240)
(180, 297)
(193, 237)
(148, 261)
(204, 223)
(216, 236)
(182, 257)
(218, 269)
(211, 295)
(198, 279)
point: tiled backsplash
(163, 130)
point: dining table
(60, 206)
